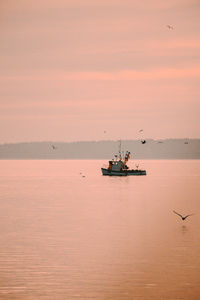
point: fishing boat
(118, 166)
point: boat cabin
(116, 165)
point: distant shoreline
(153, 149)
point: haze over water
(64, 236)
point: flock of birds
(143, 141)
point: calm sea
(66, 236)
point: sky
(73, 70)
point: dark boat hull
(136, 172)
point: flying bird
(183, 218)
(143, 141)
(54, 147)
(170, 27)
(140, 130)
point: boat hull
(136, 172)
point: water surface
(65, 236)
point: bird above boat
(170, 27)
(182, 217)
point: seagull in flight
(143, 141)
(183, 218)
(170, 27)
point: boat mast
(120, 144)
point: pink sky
(69, 70)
